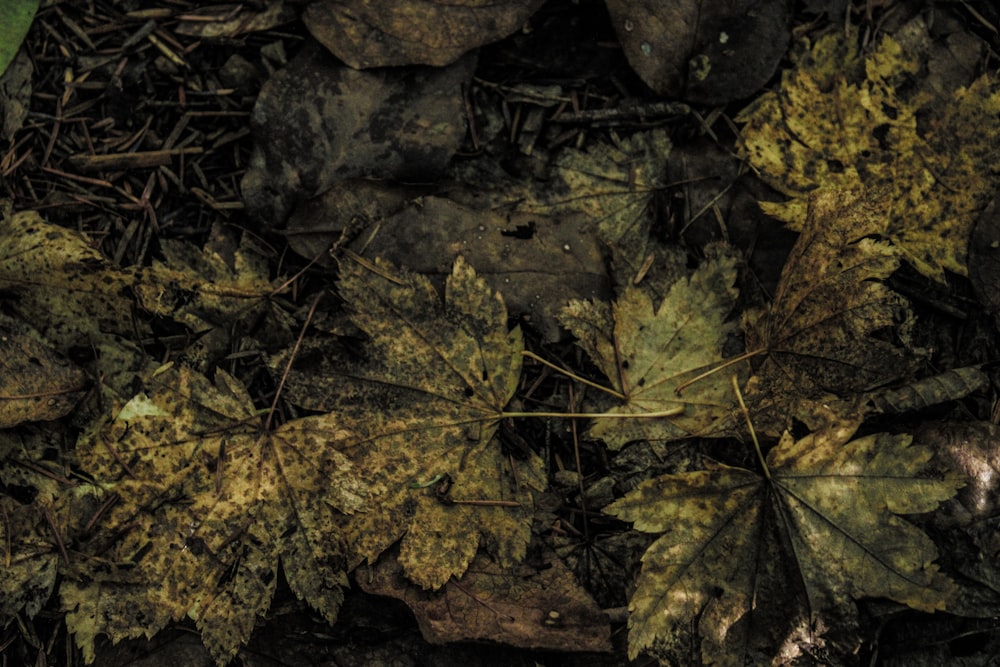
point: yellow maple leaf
(840, 121)
(210, 501)
(425, 402)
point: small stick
(711, 371)
(753, 433)
(55, 533)
(291, 360)
(574, 376)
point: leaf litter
(194, 481)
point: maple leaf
(209, 503)
(537, 605)
(199, 288)
(425, 404)
(219, 292)
(757, 563)
(614, 187)
(650, 352)
(819, 332)
(75, 296)
(63, 286)
(840, 121)
(35, 383)
(32, 560)
(41, 513)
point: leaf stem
(573, 376)
(487, 503)
(753, 433)
(672, 412)
(716, 369)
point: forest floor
(205, 203)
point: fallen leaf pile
(467, 384)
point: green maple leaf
(210, 501)
(759, 562)
(649, 352)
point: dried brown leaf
(537, 606)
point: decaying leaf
(539, 263)
(984, 258)
(75, 296)
(614, 187)
(840, 121)
(832, 325)
(220, 293)
(29, 570)
(41, 513)
(439, 374)
(228, 21)
(649, 352)
(763, 564)
(15, 94)
(401, 124)
(60, 284)
(318, 223)
(948, 386)
(36, 384)
(537, 606)
(389, 33)
(703, 51)
(210, 501)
